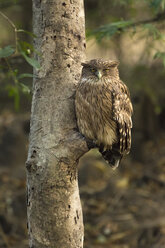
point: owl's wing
(122, 112)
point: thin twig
(11, 23)
(16, 41)
(14, 27)
(159, 17)
(12, 72)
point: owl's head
(99, 68)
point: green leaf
(25, 45)
(153, 31)
(25, 75)
(160, 55)
(110, 29)
(157, 5)
(25, 89)
(14, 92)
(31, 61)
(6, 51)
(27, 32)
(24, 48)
(27, 48)
(157, 109)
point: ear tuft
(84, 63)
(115, 63)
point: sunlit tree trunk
(54, 208)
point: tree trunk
(54, 208)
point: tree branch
(159, 17)
(110, 29)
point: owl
(104, 109)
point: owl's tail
(113, 157)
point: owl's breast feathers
(104, 112)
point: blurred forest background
(124, 208)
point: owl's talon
(79, 135)
(91, 144)
(101, 148)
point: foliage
(6, 51)
(27, 51)
(120, 26)
(157, 5)
(107, 31)
(160, 55)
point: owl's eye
(106, 70)
(93, 69)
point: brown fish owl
(104, 109)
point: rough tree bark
(54, 208)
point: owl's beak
(98, 74)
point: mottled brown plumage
(104, 109)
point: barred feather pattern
(122, 111)
(104, 109)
